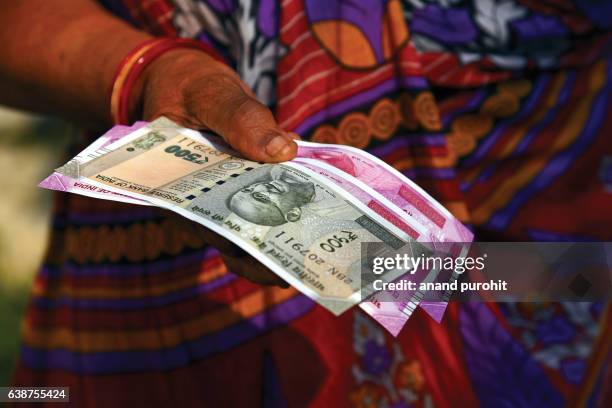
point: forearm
(60, 57)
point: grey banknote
(299, 224)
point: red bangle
(135, 62)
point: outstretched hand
(196, 91)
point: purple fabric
(527, 109)
(503, 373)
(561, 162)
(539, 26)
(222, 6)
(169, 358)
(405, 141)
(267, 18)
(135, 303)
(449, 25)
(529, 136)
(367, 15)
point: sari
(500, 110)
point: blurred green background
(30, 148)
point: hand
(194, 90)
(238, 261)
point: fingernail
(277, 146)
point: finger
(224, 245)
(253, 271)
(212, 238)
(240, 262)
(252, 130)
(236, 259)
(245, 123)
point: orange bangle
(121, 74)
(135, 62)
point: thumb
(249, 126)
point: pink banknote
(369, 197)
(391, 315)
(397, 188)
(61, 182)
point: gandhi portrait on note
(275, 201)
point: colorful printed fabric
(500, 109)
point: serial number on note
(27, 394)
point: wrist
(144, 65)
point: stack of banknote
(305, 220)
